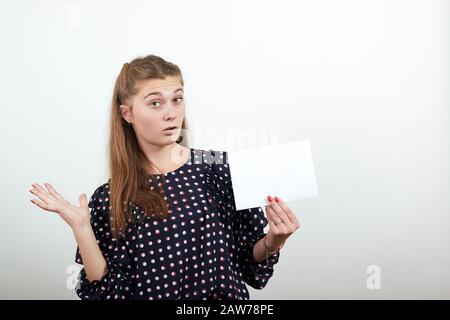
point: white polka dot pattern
(203, 250)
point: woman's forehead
(167, 85)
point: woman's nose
(170, 111)
(170, 114)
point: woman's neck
(167, 158)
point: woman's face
(158, 104)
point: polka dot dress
(203, 250)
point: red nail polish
(269, 198)
(277, 199)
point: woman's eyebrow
(159, 93)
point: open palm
(51, 200)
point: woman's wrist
(82, 231)
(271, 246)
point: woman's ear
(125, 112)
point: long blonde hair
(129, 181)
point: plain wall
(365, 81)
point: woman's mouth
(170, 130)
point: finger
(276, 218)
(271, 220)
(273, 217)
(39, 204)
(279, 223)
(280, 212)
(54, 193)
(83, 200)
(288, 211)
(39, 192)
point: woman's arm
(93, 260)
(78, 218)
(260, 251)
(283, 223)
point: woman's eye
(153, 103)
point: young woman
(164, 226)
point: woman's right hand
(77, 218)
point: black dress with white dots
(203, 250)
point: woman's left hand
(282, 222)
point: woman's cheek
(181, 112)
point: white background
(365, 81)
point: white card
(285, 170)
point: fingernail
(269, 198)
(277, 199)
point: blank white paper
(285, 170)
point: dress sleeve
(118, 281)
(247, 224)
(249, 229)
